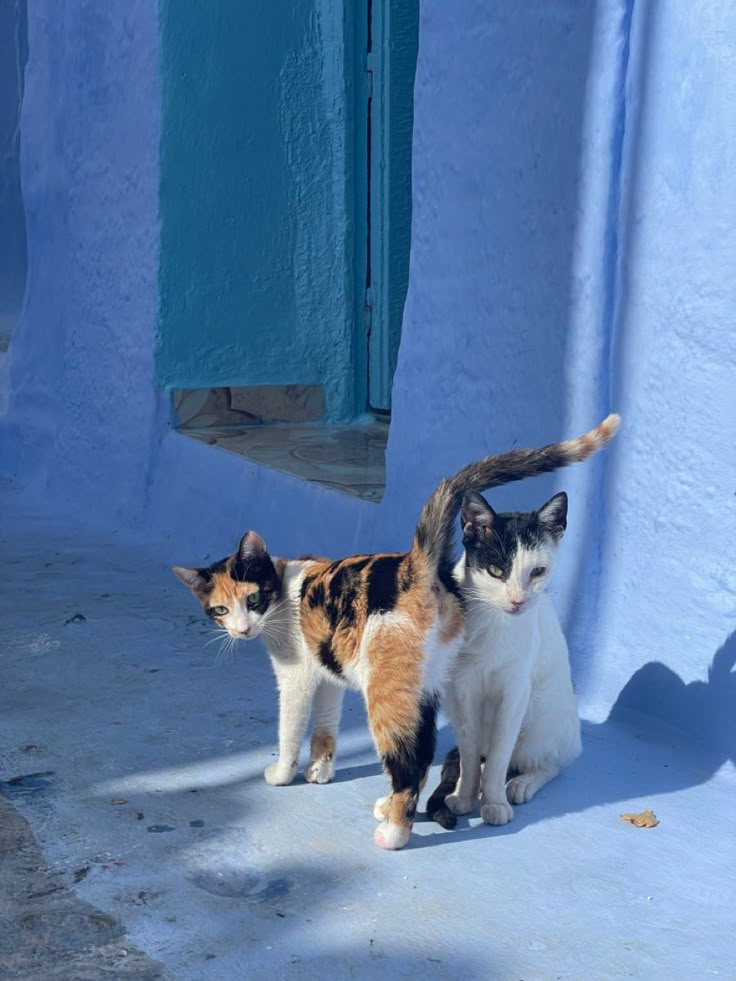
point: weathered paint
(393, 43)
(257, 210)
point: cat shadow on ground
(661, 735)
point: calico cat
(509, 695)
(386, 624)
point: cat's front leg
(327, 709)
(501, 737)
(465, 706)
(296, 684)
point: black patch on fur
(264, 601)
(509, 529)
(338, 583)
(357, 565)
(406, 575)
(348, 615)
(342, 594)
(256, 569)
(306, 583)
(206, 588)
(328, 658)
(316, 596)
(338, 597)
(383, 586)
(408, 766)
(445, 576)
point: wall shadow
(704, 710)
(661, 736)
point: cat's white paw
(521, 789)
(379, 809)
(391, 836)
(320, 771)
(278, 775)
(459, 805)
(496, 813)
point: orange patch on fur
(225, 589)
(393, 692)
(401, 808)
(452, 621)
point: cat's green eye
(218, 611)
(495, 571)
(538, 571)
(254, 599)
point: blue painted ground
(217, 876)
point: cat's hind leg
(405, 739)
(521, 788)
(327, 707)
(549, 740)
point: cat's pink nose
(516, 605)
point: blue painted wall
(257, 210)
(571, 253)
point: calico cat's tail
(434, 533)
(437, 810)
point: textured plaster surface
(573, 238)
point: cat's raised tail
(434, 535)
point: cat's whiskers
(225, 652)
(220, 633)
(277, 620)
(472, 592)
(277, 631)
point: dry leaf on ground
(647, 819)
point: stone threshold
(275, 426)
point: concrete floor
(135, 758)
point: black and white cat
(510, 697)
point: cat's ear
(251, 546)
(476, 518)
(194, 579)
(553, 515)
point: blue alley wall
(572, 246)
